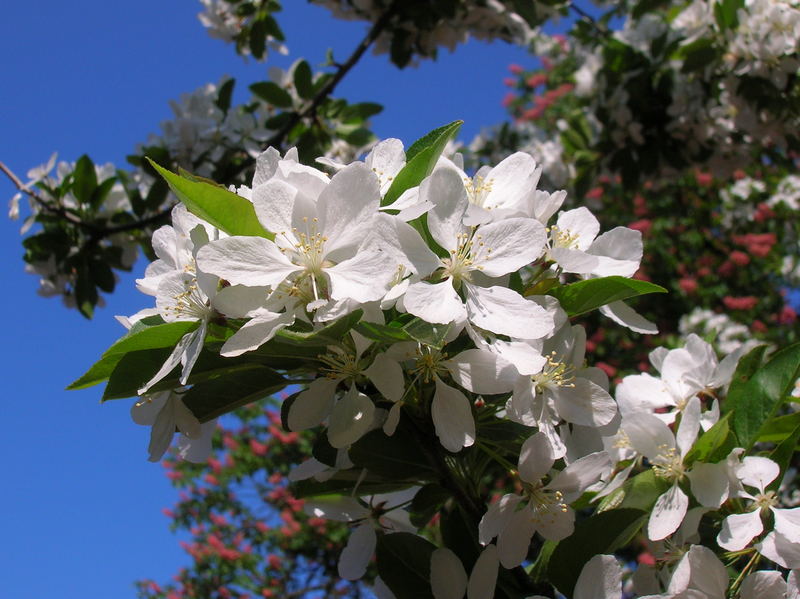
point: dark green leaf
(343, 483)
(217, 206)
(745, 369)
(426, 503)
(163, 335)
(420, 160)
(272, 93)
(639, 492)
(585, 296)
(84, 179)
(713, 445)
(331, 334)
(218, 396)
(382, 333)
(303, 82)
(428, 333)
(602, 533)
(396, 458)
(777, 429)
(782, 455)
(763, 394)
(404, 564)
(224, 95)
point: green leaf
(585, 296)
(272, 93)
(782, 455)
(761, 396)
(224, 394)
(404, 564)
(396, 458)
(421, 157)
(698, 54)
(163, 335)
(426, 503)
(713, 445)
(428, 333)
(223, 101)
(639, 492)
(382, 333)
(777, 429)
(138, 367)
(602, 533)
(343, 483)
(303, 80)
(331, 334)
(217, 206)
(745, 369)
(84, 179)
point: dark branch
(341, 71)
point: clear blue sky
(81, 506)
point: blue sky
(81, 506)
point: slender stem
(95, 232)
(589, 18)
(341, 71)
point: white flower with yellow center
(542, 508)
(491, 250)
(317, 242)
(738, 530)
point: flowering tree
(426, 321)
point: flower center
(554, 374)
(668, 464)
(428, 363)
(191, 303)
(340, 364)
(765, 501)
(562, 238)
(544, 500)
(470, 250)
(478, 190)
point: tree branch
(341, 71)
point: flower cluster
(423, 322)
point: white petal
(512, 182)
(763, 585)
(452, 417)
(648, 435)
(554, 522)
(580, 475)
(193, 349)
(347, 207)
(185, 421)
(508, 245)
(780, 550)
(706, 573)
(624, 315)
(571, 260)
(709, 483)
(313, 405)
(668, 513)
(274, 203)
(581, 223)
(146, 409)
(406, 245)
(393, 419)
(448, 577)
(496, 517)
(601, 578)
(482, 371)
(238, 301)
(515, 539)
(793, 585)
(619, 252)
(787, 523)
(162, 432)
(197, 450)
(535, 458)
(505, 312)
(642, 393)
(586, 403)
(171, 362)
(483, 578)
(256, 332)
(364, 278)
(526, 358)
(445, 190)
(387, 376)
(437, 303)
(351, 418)
(355, 557)
(689, 426)
(252, 261)
(306, 469)
(758, 472)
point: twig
(95, 232)
(342, 70)
(587, 17)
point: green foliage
(585, 296)
(216, 205)
(404, 563)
